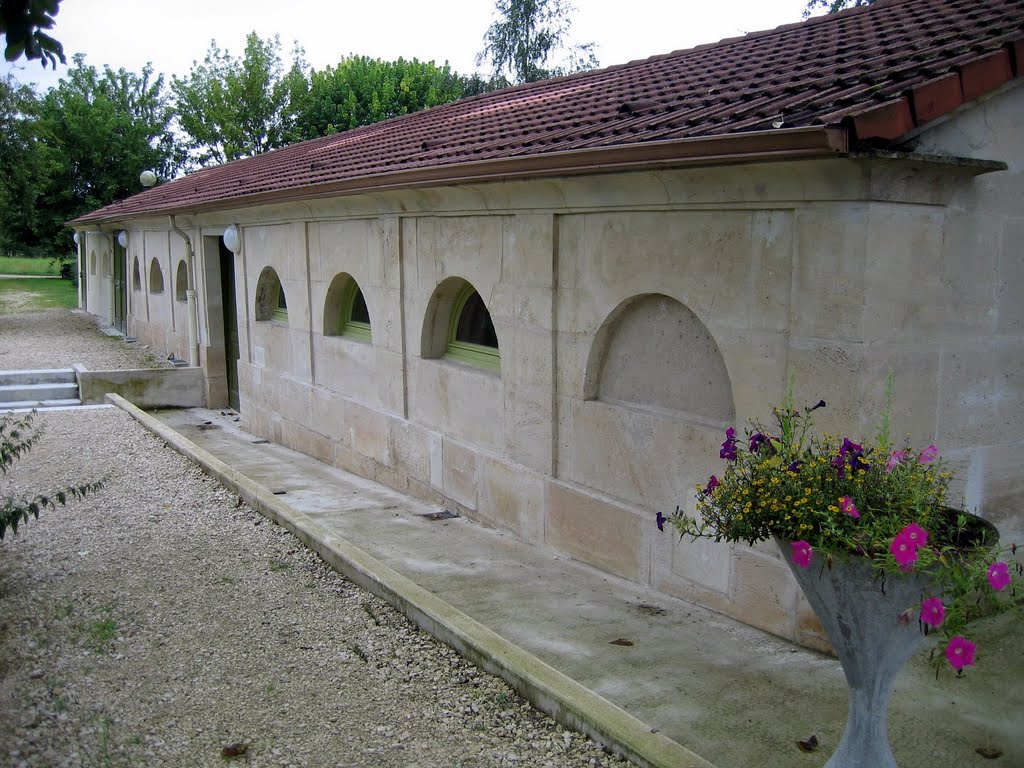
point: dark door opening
(120, 314)
(227, 287)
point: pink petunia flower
(960, 652)
(895, 459)
(904, 551)
(999, 576)
(802, 553)
(933, 612)
(847, 505)
(929, 454)
(915, 534)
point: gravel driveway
(163, 623)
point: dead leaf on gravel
(621, 641)
(989, 753)
(809, 744)
(234, 750)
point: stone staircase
(20, 390)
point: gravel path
(59, 338)
(162, 621)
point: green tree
(230, 108)
(17, 438)
(82, 146)
(22, 23)
(361, 90)
(528, 39)
(833, 6)
(21, 167)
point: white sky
(173, 33)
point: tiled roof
(869, 74)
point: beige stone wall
(638, 315)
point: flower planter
(860, 611)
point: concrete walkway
(660, 680)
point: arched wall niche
(156, 277)
(653, 352)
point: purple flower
(849, 446)
(712, 484)
(999, 576)
(858, 463)
(895, 459)
(928, 455)
(802, 553)
(661, 520)
(816, 406)
(960, 652)
(795, 466)
(728, 451)
(933, 612)
(756, 441)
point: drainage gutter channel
(546, 688)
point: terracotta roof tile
(878, 71)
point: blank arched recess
(136, 275)
(181, 282)
(268, 288)
(156, 277)
(654, 352)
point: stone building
(543, 306)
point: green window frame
(471, 335)
(281, 309)
(355, 317)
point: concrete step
(51, 376)
(30, 405)
(25, 390)
(38, 392)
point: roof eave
(755, 146)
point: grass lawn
(16, 265)
(29, 294)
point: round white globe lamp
(122, 239)
(147, 178)
(232, 239)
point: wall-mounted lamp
(77, 238)
(232, 239)
(147, 179)
(122, 239)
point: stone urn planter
(859, 609)
(870, 620)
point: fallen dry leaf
(809, 744)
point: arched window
(271, 303)
(156, 277)
(136, 275)
(181, 282)
(92, 263)
(471, 335)
(281, 308)
(345, 311)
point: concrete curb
(546, 688)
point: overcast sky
(173, 33)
